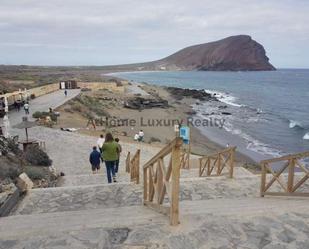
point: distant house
(68, 84)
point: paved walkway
(69, 151)
(43, 103)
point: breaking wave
(224, 97)
(306, 136)
(295, 124)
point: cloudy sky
(104, 32)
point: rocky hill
(235, 53)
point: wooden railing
(184, 159)
(289, 185)
(160, 181)
(132, 166)
(128, 161)
(213, 165)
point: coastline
(156, 135)
(210, 143)
(201, 143)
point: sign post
(184, 133)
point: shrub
(77, 107)
(154, 140)
(8, 145)
(35, 173)
(68, 110)
(9, 167)
(13, 147)
(36, 156)
(43, 115)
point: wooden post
(291, 175)
(159, 181)
(200, 171)
(174, 211)
(137, 165)
(208, 166)
(128, 163)
(131, 170)
(219, 163)
(232, 157)
(150, 181)
(145, 184)
(263, 179)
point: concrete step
(92, 179)
(74, 198)
(245, 206)
(26, 226)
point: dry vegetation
(34, 162)
(15, 77)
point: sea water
(269, 110)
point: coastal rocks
(226, 113)
(201, 95)
(139, 103)
(191, 113)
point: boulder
(143, 103)
(180, 93)
(226, 113)
(24, 183)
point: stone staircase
(215, 212)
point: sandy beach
(157, 123)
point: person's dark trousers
(116, 166)
(101, 151)
(110, 170)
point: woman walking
(110, 150)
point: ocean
(269, 110)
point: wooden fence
(213, 165)
(160, 181)
(128, 160)
(289, 185)
(184, 159)
(132, 166)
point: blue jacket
(95, 157)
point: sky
(109, 32)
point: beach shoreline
(157, 135)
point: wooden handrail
(161, 181)
(287, 157)
(217, 162)
(134, 170)
(165, 151)
(132, 166)
(291, 163)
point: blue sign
(184, 133)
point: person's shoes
(114, 179)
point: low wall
(10, 203)
(42, 90)
(101, 85)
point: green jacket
(110, 151)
